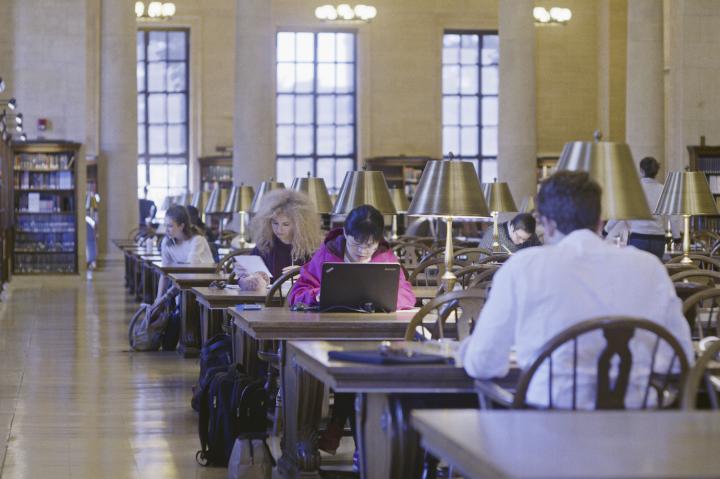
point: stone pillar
(517, 131)
(254, 126)
(118, 123)
(645, 111)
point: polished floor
(74, 403)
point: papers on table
(253, 264)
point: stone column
(117, 169)
(645, 110)
(254, 126)
(517, 132)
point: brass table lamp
(363, 188)
(612, 166)
(528, 204)
(686, 193)
(239, 202)
(449, 189)
(184, 199)
(400, 200)
(199, 200)
(265, 188)
(316, 190)
(216, 205)
(499, 200)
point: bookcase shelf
(400, 171)
(45, 222)
(215, 172)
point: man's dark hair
(649, 167)
(525, 222)
(571, 199)
(365, 223)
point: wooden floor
(74, 403)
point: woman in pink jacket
(360, 241)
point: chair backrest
(474, 275)
(698, 276)
(429, 272)
(495, 258)
(706, 238)
(280, 287)
(701, 311)
(225, 265)
(471, 255)
(610, 386)
(706, 370)
(410, 254)
(702, 261)
(463, 306)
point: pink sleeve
(307, 286)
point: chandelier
(345, 13)
(554, 16)
(154, 10)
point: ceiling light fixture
(344, 13)
(554, 16)
(2, 85)
(11, 103)
(154, 11)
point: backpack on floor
(215, 356)
(250, 459)
(150, 322)
(171, 336)
(232, 404)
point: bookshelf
(215, 172)
(45, 238)
(5, 216)
(706, 158)
(400, 171)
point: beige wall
(612, 68)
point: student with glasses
(360, 241)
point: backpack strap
(202, 455)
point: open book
(253, 264)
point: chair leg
(430, 466)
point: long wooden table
(386, 393)
(216, 303)
(573, 444)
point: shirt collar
(648, 180)
(581, 238)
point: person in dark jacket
(513, 235)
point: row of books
(43, 161)
(44, 203)
(55, 263)
(54, 223)
(51, 180)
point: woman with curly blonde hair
(286, 232)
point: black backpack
(233, 404)
(215, 356)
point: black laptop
(362, 287)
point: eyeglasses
(351, 243)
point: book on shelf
(44, 161)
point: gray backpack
(148, 324)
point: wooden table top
(343, 376)
(282, 324)
(573, 444)
(189, 280)
(167, 268)
(226, 298)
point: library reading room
(400, 239)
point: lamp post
(499, 200)
(239, 202)
(449, 189)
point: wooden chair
(706, 238)
(225, 265)
(410, 254)
(706, 302)
(705, 276)
(495, 258)
(471, 255)
(609, 390)
(429, 273)
(473, 276)
(276, 294)
(463, 306)
(702, 371)
(702, 261)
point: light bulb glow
(23, 137)
(139, 9)
(18, 128)
(168, 9)
(346, 13)
(541, 14)
(154, 9)
(19, 119)
(12, 103)
(2, 85)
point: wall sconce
(154, 11)
(345, 13)
(554, 16)
(11, 103)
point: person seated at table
(513, 235)
(540, 292)
(360, 241)
(183, 243)
(286, 231)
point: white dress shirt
(540, 292)
(192, 251)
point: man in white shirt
(648, 235)
(540, 292)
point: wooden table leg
(302, 407)
(189, 325)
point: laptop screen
(362, 287)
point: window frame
(480, 157)
(314, 156)
(170, 158)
